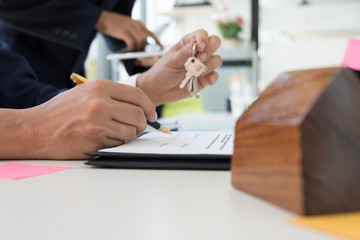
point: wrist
(146, 83)
(101, 23)
(18, 138)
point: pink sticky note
(352, 54)
(17, 171)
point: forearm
(17, 138)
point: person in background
(55, 36)
(94, 115)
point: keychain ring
(194, 49)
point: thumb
(181, 55)
(184, 47)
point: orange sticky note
(15, 171)
(344, 225)
(352, 54)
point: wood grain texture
(298, 144)
(266, 163)
(331, 148)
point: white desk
(91, 203)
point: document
(200, 150)
(179, 143)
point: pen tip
(165, 130)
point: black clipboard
(159, 161)
(136, 160)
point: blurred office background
(277, 36)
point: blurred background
(260, 39)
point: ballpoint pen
(78, 79)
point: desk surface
(92, 203)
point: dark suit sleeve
(69, 23)
(19, 87)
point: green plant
(230, 26)
(229, 29)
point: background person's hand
(146, 61)
(161, 82)
(91, 116)
(132, 32)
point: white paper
(185, 142)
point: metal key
(194, 68)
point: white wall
(183, 21)
(294, 36)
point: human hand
(161, 82)
(146, 61)
(132, 32)
(91, 116)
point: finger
(130, 42)
(121, 132)
(136, 33)
(200, 36)
(129, 114)
(127, 94)
(117, 132)
(213, 63)
(184, 48)
(140, 33)
(144, 42)
(141, 41)
(202, 40)
(108, 130)
(151, 34)
(213, 45)
(135, 96)
(182, 54)
(114, 142)
(208, 79)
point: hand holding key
(161, 82)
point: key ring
(194, 49)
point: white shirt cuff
(131, 81)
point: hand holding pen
(78, 79)
(86, 118)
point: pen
(158, 126)
(78, 79)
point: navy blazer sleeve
(19, 87)
(69, 23)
